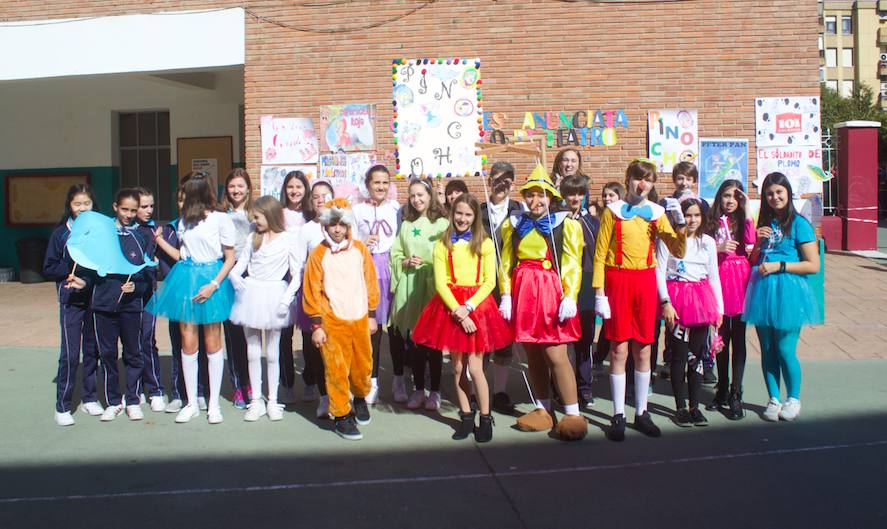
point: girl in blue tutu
(197, 290)
(779, 300)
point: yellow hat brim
(543, 185)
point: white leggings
(254, 360)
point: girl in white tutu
(263, 298)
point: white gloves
(505, 307)
(283, 310)
(602, 307)
(567, 309)
(674, 207)
(238, 282)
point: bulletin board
(34, 199)
(213, 152)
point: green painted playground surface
(825, 470)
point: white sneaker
(158, 404)
(142, 399)
(92, 408)
(772, 412)
(286, 395)
(432, 403)
(174, 406)
(64, 419)
(790, 410)
(255, 410)
(373, 396)
(399, 389)
(323, 408)
(134, 411)
(111, 412)
(417, 399)
(201, 403)
(214, 416)
(310, 394)
(275, 411)
(187, 413)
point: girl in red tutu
(690, 294)
(462, 318)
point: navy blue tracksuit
(75, 321)
(122, 320)
(152, 373)
(177, 378)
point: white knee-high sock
(500, 378)
(617, 390)
(254, 360)
(641, 386)
(189, 371)
(216, 365)
(272, 345)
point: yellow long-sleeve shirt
(636, 244)
(535, 247)
(465, 266)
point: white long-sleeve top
(310, 236)
(271, 262)
(378, 220)
(700, 263)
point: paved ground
(826, 470)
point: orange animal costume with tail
(340, 293)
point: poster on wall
(273, 175)
(358, 164)
(438, 114)
(333, 167)
(800, 164)
(672, 136)
(351, 167)
(207, 166)
(288, 141)
(347, 127)
(789, 140)
(721, 159)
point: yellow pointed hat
(539, 178)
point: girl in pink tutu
(735, 234)
(463, 318)
(690, 293)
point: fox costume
(340, 294)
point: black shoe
(682, 418)
(644, 424)
(708, 376)
(466, 427)
(720, 400)
(502, 404)
(346, 428)
(484, 431)
(734, 410)
(698, 418)
(361, 411)
(617, 428)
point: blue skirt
(173, 299)
(782, 301)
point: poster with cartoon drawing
(288, 141)
(672, 136)
(788, 134)
(437, 116)
(347, 127)
(721, 159)
(272, 176)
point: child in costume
(690, 295)
(463, 318)
(262, 300)
(75, 314)
(197, 291)
(540, 278)
(735, 234)
(611, 192)
(377, 222)
(340, 296)
(412, 281)
(779, 301)
(625, 272)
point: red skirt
(634, 302)
(535, 300)
(438, 330)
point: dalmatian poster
(673, 136)
(787, 121)
(437, 117)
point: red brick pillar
(858, 183)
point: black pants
(314, 372)
(397, 346)
(421, 355)
(287, 366)
(109, 327)
(582, 348)
(687, 347)
(235, 348)
(732, 331)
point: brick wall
(537, 55)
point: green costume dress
(413, 288)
